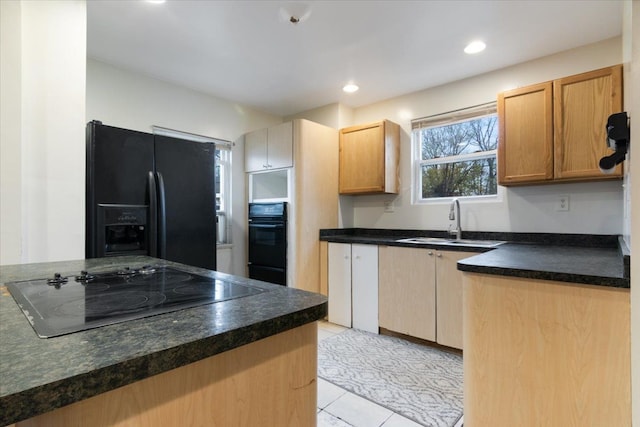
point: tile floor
(339, 408)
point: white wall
(43, 171)
(133, 101)
(594, 207)
(10, 133)
(335, 116)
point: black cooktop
(65, 304)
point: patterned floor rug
(418, 382)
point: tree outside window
(458, 159)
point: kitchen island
(247, 361)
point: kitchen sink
(455, 242)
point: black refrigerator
(150, 195)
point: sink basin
(443, 241)
(470, 242)
(424, 240)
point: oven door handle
(162, 218)
(153, 214)
(266, 225)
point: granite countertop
(38, 375)
(601, 260)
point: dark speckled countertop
(38, 375)
(576, 258)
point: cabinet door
(407, 291)
(362, 159)
(449, 297)
(255, 151)
(525, 146)
(582, 104)
(280, 146)
(339, 274)
(364, 287)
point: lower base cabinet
(407, 291)
(353, 285)
(543, 353)
(412, 291)
(270, 382)
(421, 293)
(449, 297)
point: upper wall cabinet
(369, 157)
(270, 148)
(525, 148)
(555, 131)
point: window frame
(224, 163)
(444, 119)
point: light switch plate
(388, 206)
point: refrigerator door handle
(153, 214)
(162, 218)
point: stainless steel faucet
(454, 214)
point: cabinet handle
(439, 255)
(430, 253)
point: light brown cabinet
(555, 131)
(270, 148)
(581, 106)
(270, 382)
(369, 158)
(525, 149)
(420, 293)
(550, 353)
(407, 291)
(449, 298)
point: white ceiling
(247, 52)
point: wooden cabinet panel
(582, 104)
(449, 297)
(525, 121)
(545, 353)
(555, 131)
(407, 291)
(324, 268)
(271, 382)
(369, 158)
(339, 273)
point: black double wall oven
(268, 242)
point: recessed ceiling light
(475, 47)
(156, 1)
(350, 88)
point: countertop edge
(84, 386)
(569, 278)
(604, 242)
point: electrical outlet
(388, 206)
(562, 203)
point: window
(223, 191)
(455, 154)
